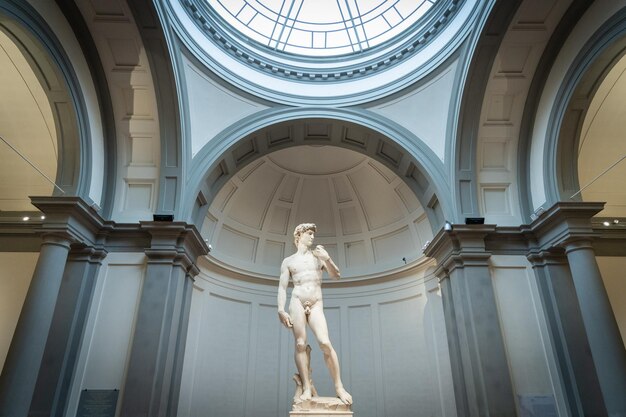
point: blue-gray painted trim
(90, 51)
(36, 26)
(218, 31)
(289, 98)
(612, 31)
(560, 34)
(163, 66)
(481, 53)
(215, 151)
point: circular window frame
(337, 80)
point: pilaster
(482, 381)
(66, 331)
(568, 337)
(69, 221)
(155, 366)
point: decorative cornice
(92, 237)
(563, 224)
(213, 29)
(176, 242)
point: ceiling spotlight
(43, 217)
(25, 218)
(615, 221)
(606, 223)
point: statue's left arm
(326, 260)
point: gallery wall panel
(239, 359)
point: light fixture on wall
(447, 226)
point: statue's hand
(285, 319)
(321, 253)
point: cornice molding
(214, 30)
(339, 81)
(563, 224)
(74, 221)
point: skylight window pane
(321, 27)
(338, 38)
(300, 38)
(319, 40)
(393, 17)
(246, 14)
(376, 27)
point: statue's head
(302, 228)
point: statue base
(321, 407)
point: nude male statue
(305, 269)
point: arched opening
(419, 168)
(42, 149)
(385, 314)
(585, 151)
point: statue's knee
(326, 346)
(300, 345)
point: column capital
(541, 258)
(91, 254)
(59, 238)
(463, 245)
(177, 243)
(70, 216)
(574, 244)
(564, 222)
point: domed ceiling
(321, 27)
(367, 218)
(320, 51)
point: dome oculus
(321, 28)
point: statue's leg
(317, 321)
(298, 319)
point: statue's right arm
(282, 294)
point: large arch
(590, 67)
(395, 147)
(51, 65)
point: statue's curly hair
(301, 228)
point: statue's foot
(306, 394)
(343, 395)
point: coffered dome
(367, 217)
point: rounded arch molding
(268, 131)
(484, 49)
(46, 56)
(595, 59)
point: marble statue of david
(305, 268)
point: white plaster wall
(211, 108)
(591, 21)
(612, 269)
(16, 272)
(390, 339)
(103, 358)
(55, 19)
(425, 111)
(525, 333)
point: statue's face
(307, 237)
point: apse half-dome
(368, 219)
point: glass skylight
(321, 27)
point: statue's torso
(306, 274)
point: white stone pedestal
(321, 407)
